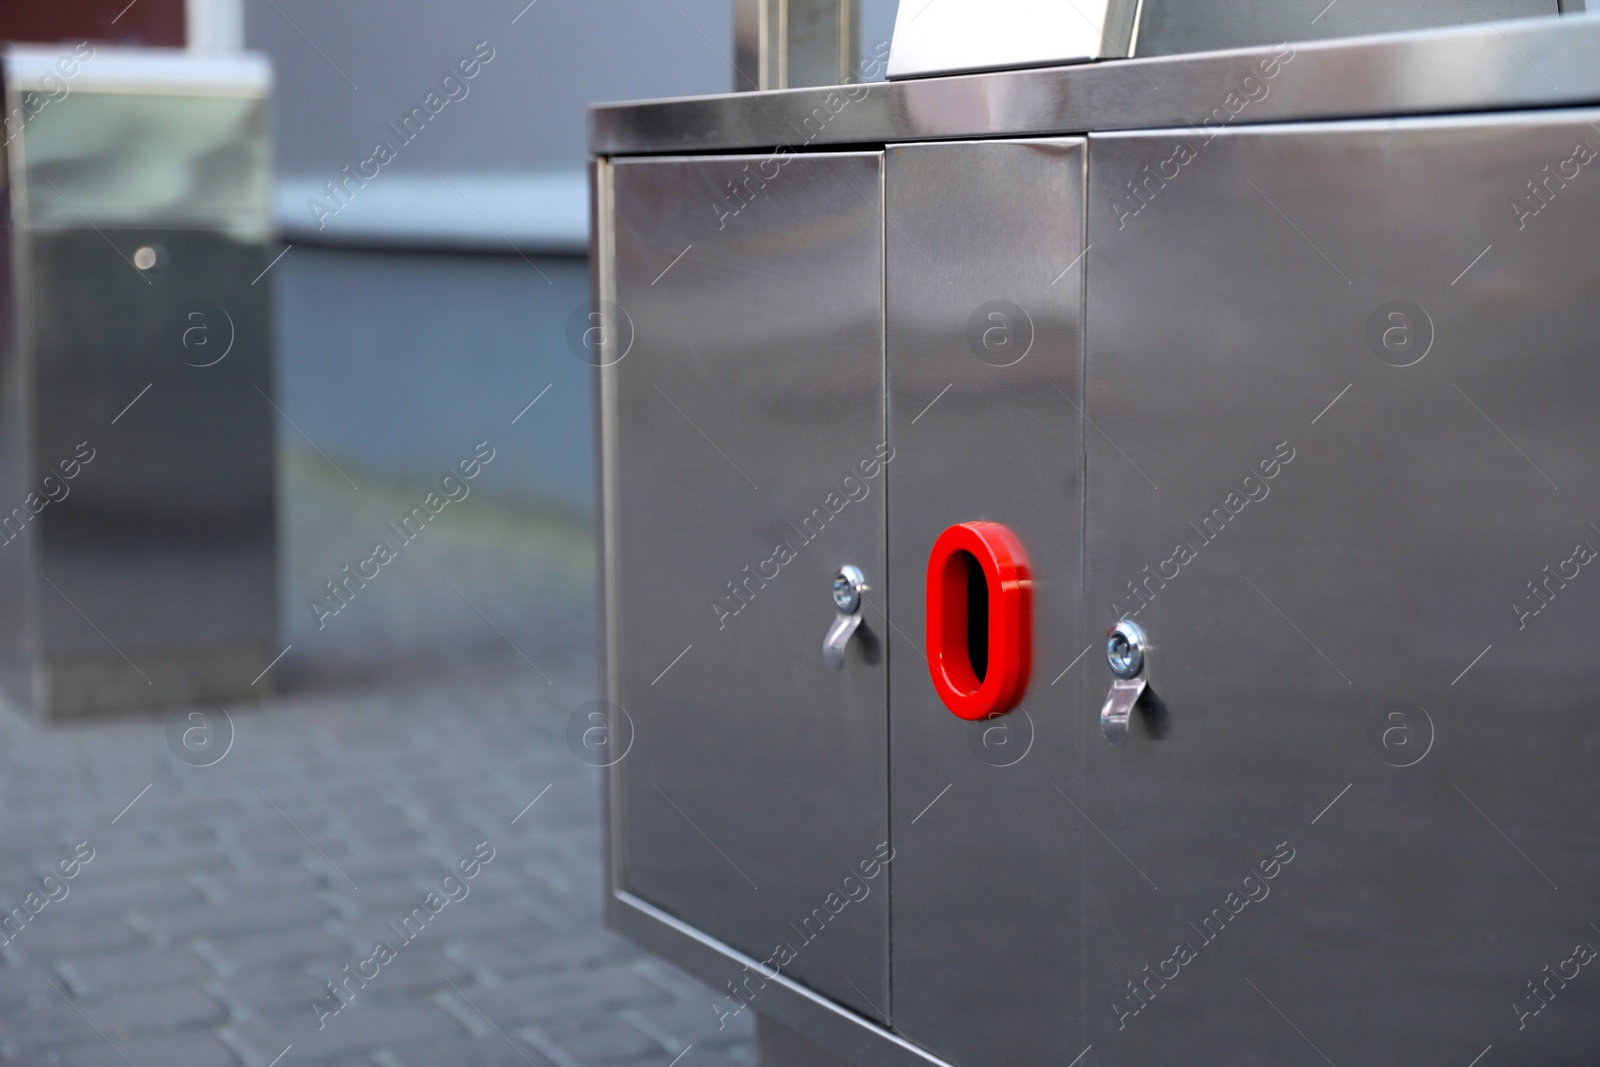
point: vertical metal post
(215, 25)
(783, 44)
(748, 38)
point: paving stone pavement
(209, 908)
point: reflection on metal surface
(971, 224)
(779, 761)
(1399, 549)
(120, 159)
(838, 636)
(138, 71)
(1118, 708)
(1125, 645)
(1524, 63)
(137, 220)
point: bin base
(67, 688)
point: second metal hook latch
(1125, 647)
(848, 585)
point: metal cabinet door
(985, 254)
(1347, 378)
(745, 465)
(170, 548)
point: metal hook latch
(1125, 648)
(848, 585)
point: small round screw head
(1125, 645)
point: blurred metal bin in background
(137, 476)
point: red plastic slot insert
(980, 619)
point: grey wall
(397, 361)
(525, 110)
(400, 362)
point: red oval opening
(980, 616)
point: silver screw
(1125, 645)
(848, 585)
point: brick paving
(410, 731)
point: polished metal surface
(779, 1046)
(119, 159)
(1333, 374)
(782, 44)
(1125, 647)
(824, 1023)
(750, 44)
(745, 456)
(951, 36)
(837, 639)
(116, 137)
(1522, 63)
(139, 71)
(164, 546)
(139, 542)
(985, 281)
(1170, 27)
(1117, 712)
(1353, 826)
(848, 586)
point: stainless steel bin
(1276, 364)
(137, 533)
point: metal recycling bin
(1097, 574)
(138, 543)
